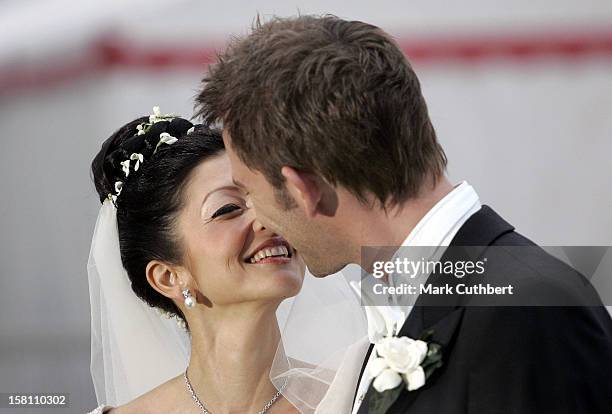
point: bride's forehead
(211, 179)
(213, 172)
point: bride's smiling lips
(275, 250)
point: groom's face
(280, 214)
(271, 210)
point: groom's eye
(226, 209)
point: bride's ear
(163, 279)
(314, 194)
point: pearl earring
(189, 301)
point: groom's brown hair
(329, 96)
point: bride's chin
(284, 285)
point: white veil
(134, 349)
(323, 346)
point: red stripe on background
(516, 48)
(111, 54)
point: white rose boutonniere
(400, 362)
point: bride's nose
(257, 226)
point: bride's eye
(226, 209)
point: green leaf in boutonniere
(380, 402)
(427, 335)
(433, 359)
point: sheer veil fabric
(134, 349)
(323, 345)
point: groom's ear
(314, 194)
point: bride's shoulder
(164, 398)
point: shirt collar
(436, 228)
(445, 218)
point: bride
(175, 231)
(192, 247)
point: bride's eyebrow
(225, 187)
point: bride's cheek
(229, 239)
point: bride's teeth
(269, 252)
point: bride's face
(226, 251)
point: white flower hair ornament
(137, 158)
(125, 165)
(165, 138)
(153, 119)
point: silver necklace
(205, 411)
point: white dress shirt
(436, 228)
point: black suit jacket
(512, 360)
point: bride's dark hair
(152, 196)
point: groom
(328, 133)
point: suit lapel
(478, 232)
